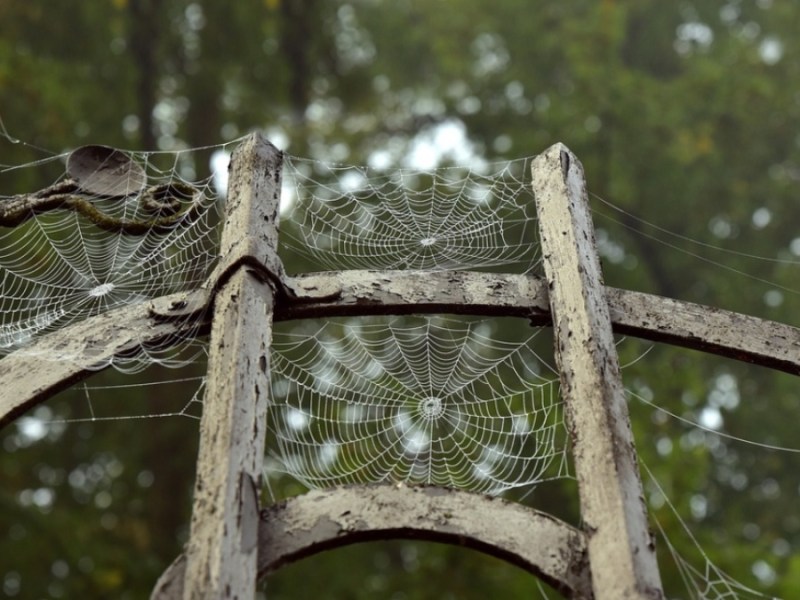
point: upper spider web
(346, 217)
(120, 229)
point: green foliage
(684, 114)
(403, 570)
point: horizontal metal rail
(64, 357)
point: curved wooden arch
(64, 357)
(325, 519)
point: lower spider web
(423, 400)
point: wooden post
(222, 548)
(621, 552)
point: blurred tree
(684, 115)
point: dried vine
(172, 205)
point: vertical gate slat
(221, 553)
(621, 554)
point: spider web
(706, 581)
(113, 240)
(422, 400)
(450, 218)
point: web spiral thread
(427, 400)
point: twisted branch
(167, 202)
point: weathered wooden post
(222, 549)
(621, 552)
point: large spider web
(130, 227)
(422, 400)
